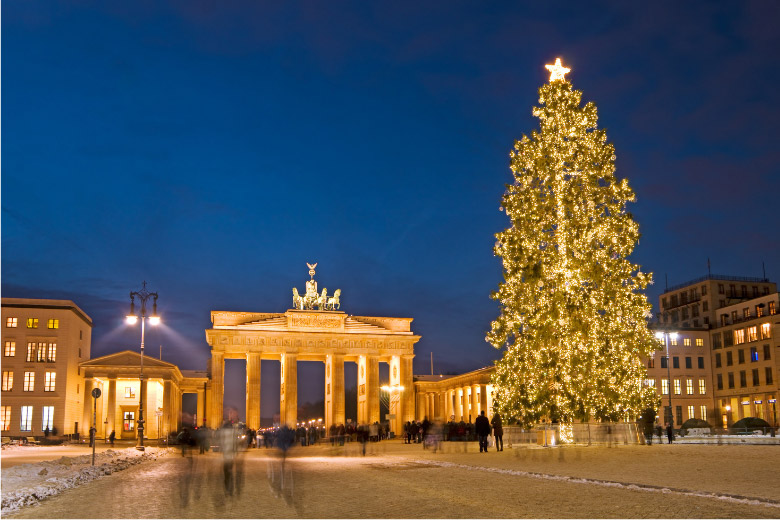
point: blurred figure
(111, 438)
(482, 429)
(227, 444)
(498, 431)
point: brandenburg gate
(315, 330)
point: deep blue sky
(213, 150)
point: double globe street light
(132, 318)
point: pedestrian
(482, 429)
(111, 438)
(669, 432)
(498, 431)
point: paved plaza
(394, 480)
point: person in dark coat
(670, 433)
(498, 431)
(111, 438)
(482, 429)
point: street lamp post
(774, 415)
(666, 336)
(143, 295)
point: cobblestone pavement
(398, 481)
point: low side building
(454, 397)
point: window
(695, 311)
(691, 412)
(128, 421)
(664, 302)
(32, 323)
(729, 359)
(716, 344)
(687, 342)
(11, 322)
(701, 362)
(721, 303)
(772, 308)
(52, 353)
(688, 362)
(724, 320)
(755, 377)
(705, 306)
(703, 412)
(10, 349)
(48, 418)
(650, 382)
(664, 361)
(744, 291)
(704, 290)
(742, 379)
(732, 290)
(673, 342)
(699, 342)
(129, 391)
(41, 353)
(766, 352)
(755, 291)
(733, 316)
(8, 380)
(5, 418)
(717, 360)
(25, 424)
(30, 352)
(752, 333)
(707, 320)
(677, 387)
(702, 386)
(768, 374)
(53, 324)
(689, 386)
(753, 354)
(679, 414)
(766, 331)
(720, 381)
(50, 381)
(759, 311)
(746, 312)
(720, 289)
(651, 363)
(683, 298)
(674, 300)
(685, 313)
(675, 316)
(731, 380)
(675, 362)
(739, 336)
(664, 387)
(741, 356)
(728, 339)
(29, 381)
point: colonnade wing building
(331, 337)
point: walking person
(498, 431)
(482, 429)
(669, 432)
(111, 438)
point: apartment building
(43, 343)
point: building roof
(36, 303)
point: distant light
(659, 335)
(154, 320)
(673, 335)
(131, 319)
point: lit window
(48, 418)
(650, 382)
(664, 386)
(687, 342)
(128, 421)
(8, 380)
(129, 391)
(752, 333)
(25, 424)
(30, 352)
(771, 309)
(691, 412)
(677, 387)
(29, 381)
(702, 386)
(759, 311)
(674, 342)
(766, 331)
(689, 386)
(12, 322)
(5, 418)
(753, 354)
(32, 323)
(10, 349)
(699, 342)
(52, 356)
(703, 411)
(53, 324)
(50, 381)
(41, 354)
(739, 336)
(746, 312)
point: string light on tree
(573, 313)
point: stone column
(111, 411)
(334, 390)
(407, 381)
(253, 390)
(168, 407)
(288, 395)
(217, 389)
(86, 419)
(362, 398)
(460, 399)
(372, 388)
(200, 407)
(483, 400)
(475, 402)
(489, 397)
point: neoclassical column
(420, 405)
(200, 407)
(111, 411)
(407, 381)
(288, 395)
(169, 409)
(475, 402)
(483, 401)
(217, 389)
(372, 388)
(396, 424)
(460, 398)
(253, 390)
(362, 397)
(334, 390)
(86, 420)
(489, 397)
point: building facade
(44, 341)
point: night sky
(213, 150)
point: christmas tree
(573, 313)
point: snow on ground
(27, 484)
